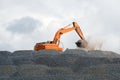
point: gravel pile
(72, 64)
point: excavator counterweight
(54, 45)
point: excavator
(54, 44)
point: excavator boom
(56, 41)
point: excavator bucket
(81, 43)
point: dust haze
(94, 44)
(91, 43)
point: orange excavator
(54, 45)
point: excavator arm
(64, 30)
(78, 30)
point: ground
(72, 64)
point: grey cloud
(23, 25)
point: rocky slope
(72, 64)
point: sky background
(23, 23)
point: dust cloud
(90, 44)
(94, 44)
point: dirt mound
(72, 64)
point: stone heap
(72, 64)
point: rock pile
(72, 64)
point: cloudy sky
(26, 22)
